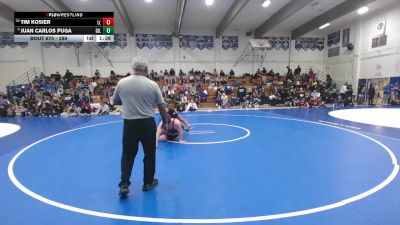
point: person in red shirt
(312, 102)
(86, 108)
(303, 103)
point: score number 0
(108, 22)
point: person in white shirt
(191, 106)
(72, 110)
(343, 90)
(315, 94)
(184, 100)
(92, 86)
(171, 93)
(225, 101)
(104, 109)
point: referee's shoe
(123, 191)
(148, 187)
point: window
(379, 41)
(333, 52)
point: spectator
(263, 99)
(231, 74)
(371, 94)
(68, 76)
(289, 74)
(181, 105)
(172, 72)
(328, 81)
(104, 109)
(171, 93)
(58, 108)
(4, 105)
(181, 73)
(47, 109)
(395, 100)
(86, 108)
(386, 94)
(315, 94)
(303, 103)
(225, 101)
(264, 71)
(42, 76)
(228, 89)
(297, 73)
(97, 74)
(72, 110)
(377, 95)
(192, 106)
(18, 97)
(241, 93)
(343, 90)
(113, 75)
(92, 86)
(362, 93)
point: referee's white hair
(139, 63)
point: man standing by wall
(371, 94)
(138, 96)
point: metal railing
(322, 76)
(25, 78)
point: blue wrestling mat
(291, 166)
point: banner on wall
(307, 43)
(150, 41)
(230, 42)
(346, 37)
(278, 43)
(394, 84)
(7, 39)
(333, 38)
(196, 41)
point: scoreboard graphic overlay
(64, 26)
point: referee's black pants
(135, 131)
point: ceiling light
(323, 26)
(266, 3)
(362, 10)
(148, 1)
(209, 2)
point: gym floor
(277, 166)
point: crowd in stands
(70, 95)
(265, 88)
(58, 95)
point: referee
(138, 95)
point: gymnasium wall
(382, 61)
(15, 61)
(342, 67)
(365, 61)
